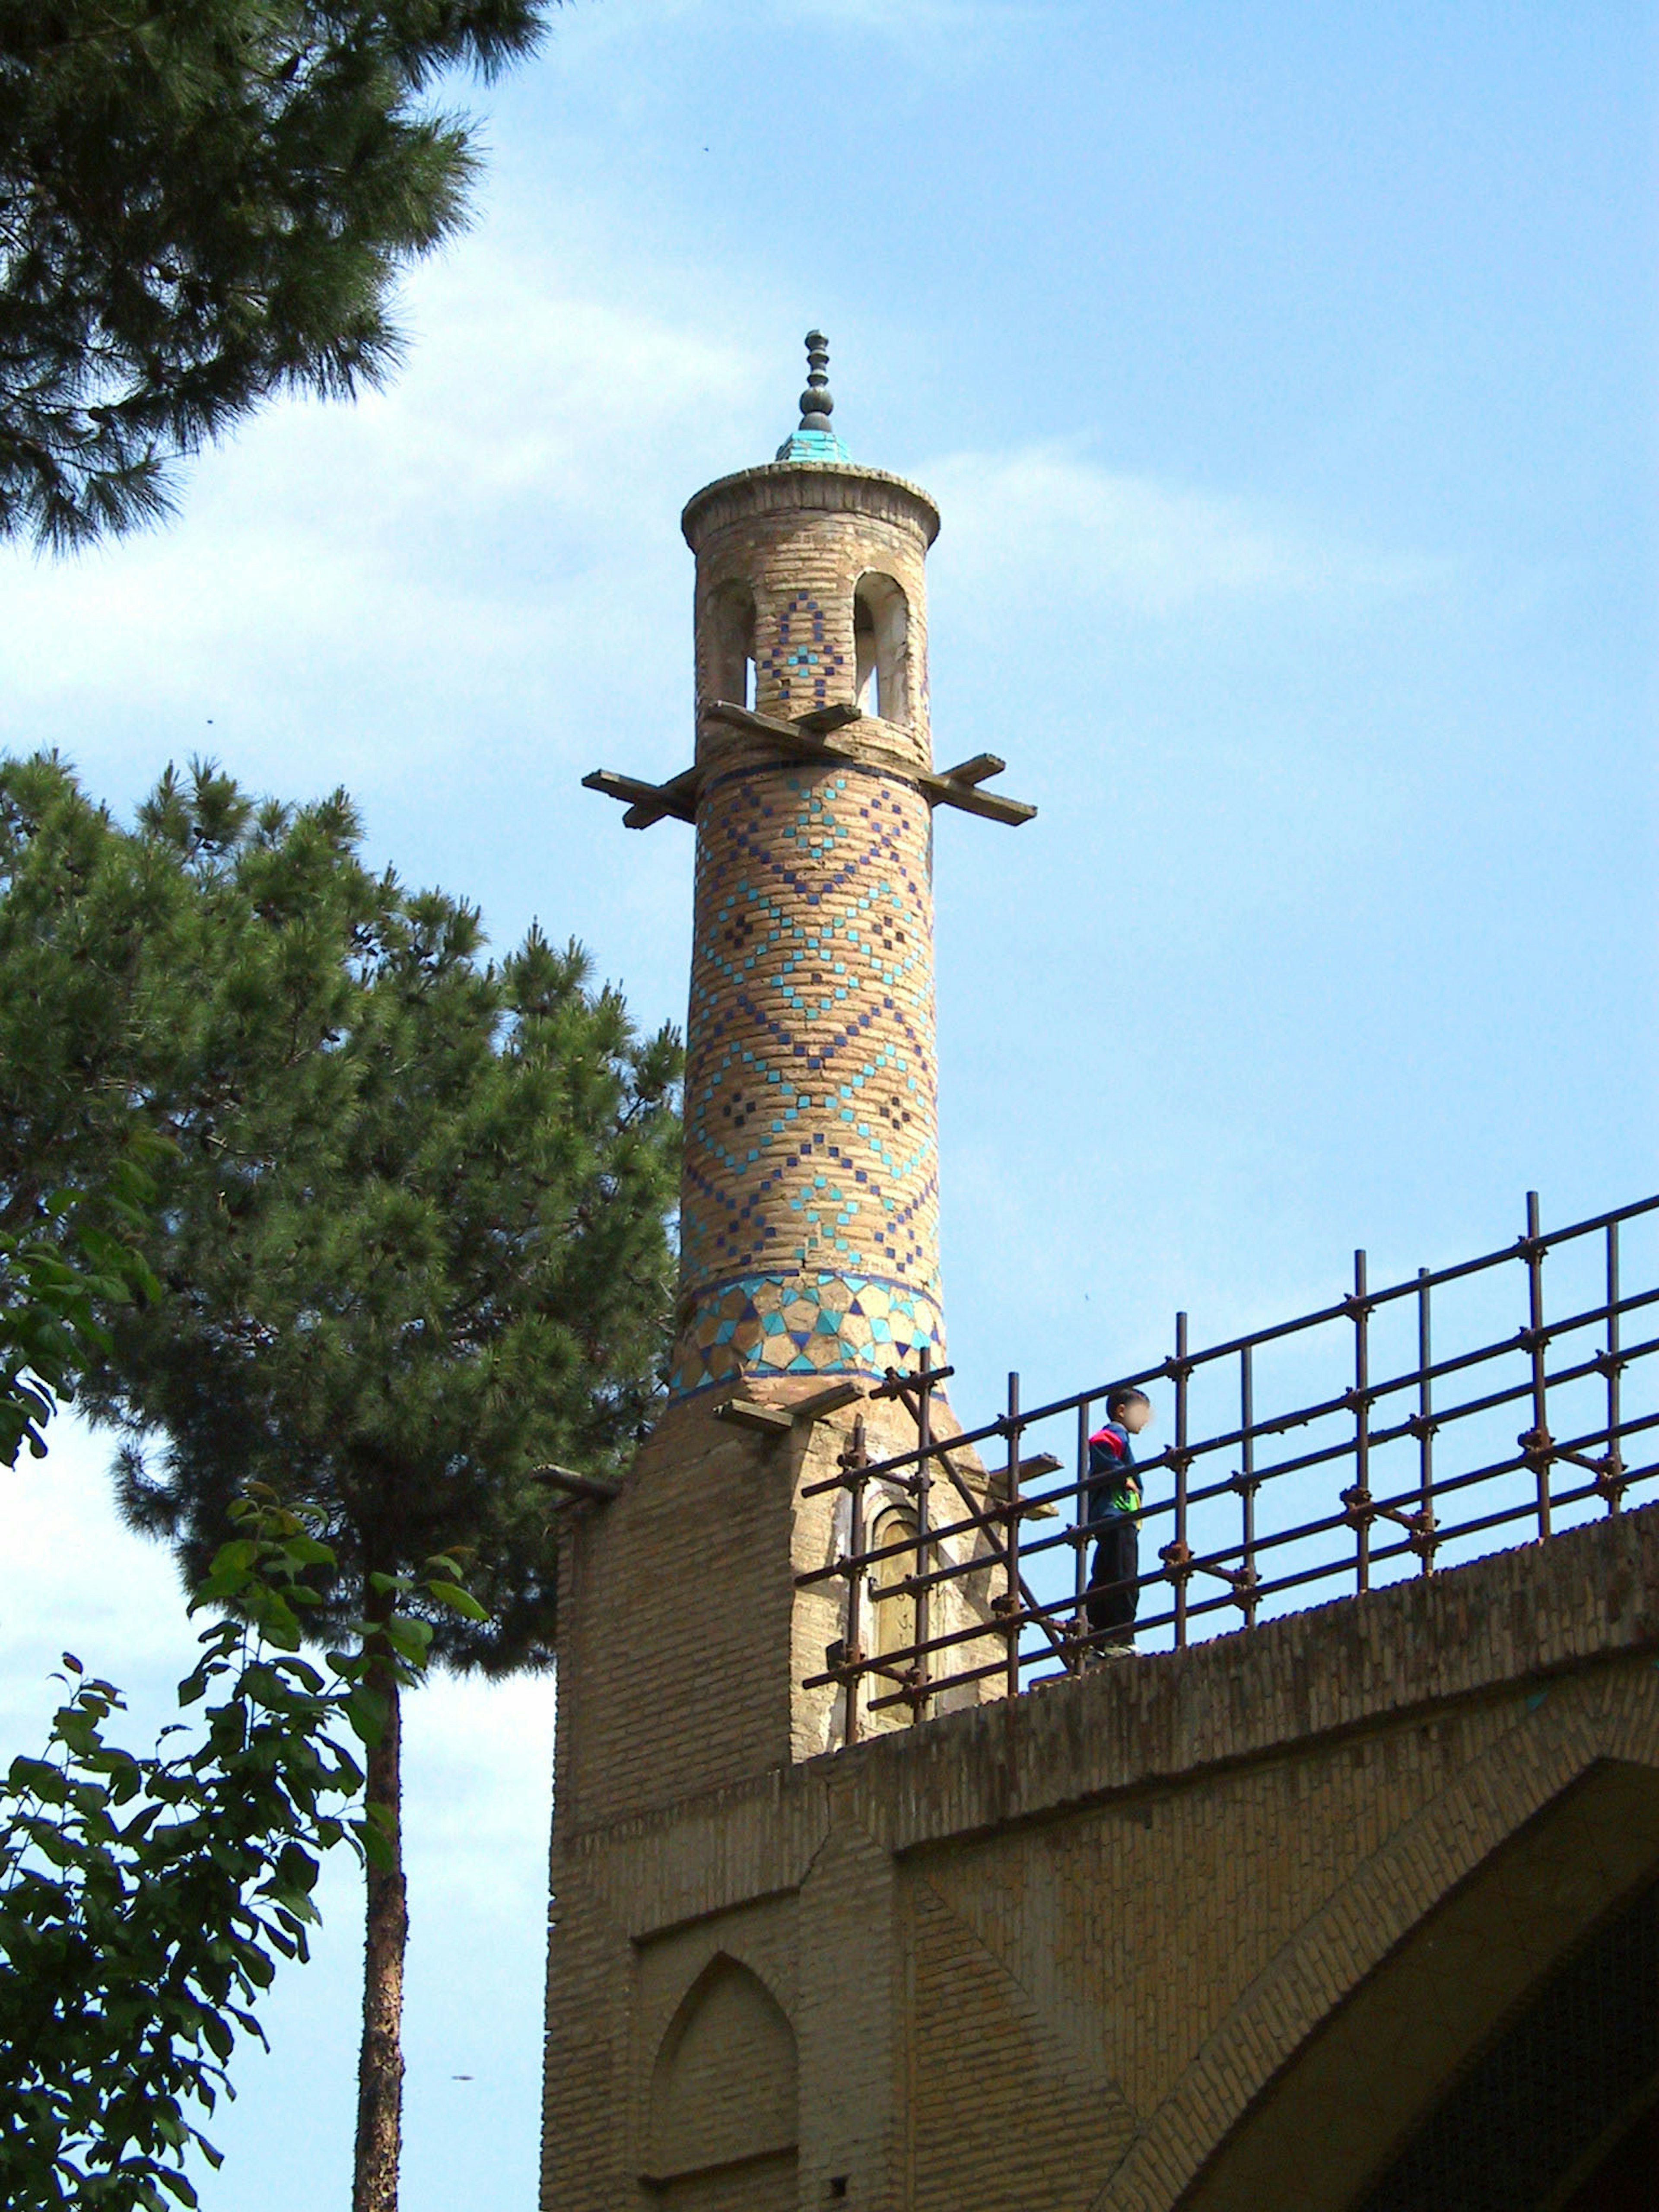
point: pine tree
(413, 1246)
(204, 203)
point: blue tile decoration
(813, 445)
(809, 1215)
(804, 1324)
(798, 660)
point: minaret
(703, 1646)
(809, 1216)
(810, 1202)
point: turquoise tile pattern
(808, 1213)
(813, 445)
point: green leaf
(366, 1712)
(458, 1600)
(412, 1639)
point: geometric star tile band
(809, 1219)
(803, 1324)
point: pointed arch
(725, 2093)
(1353, 2034)
(881, 642)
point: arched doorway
(1431, 2058)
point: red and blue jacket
(1114, 1491)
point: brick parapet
(815, 487)
(1588, 1597)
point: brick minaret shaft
(810, 1210)
(810, 1206)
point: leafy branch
(147, 1899)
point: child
(1113, 1518)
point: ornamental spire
(815, 440)
(817, 405)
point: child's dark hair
(1117, 1400)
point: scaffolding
(1409, 1464)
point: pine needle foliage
(411, 1219)
(411, 1204)
(204, 203)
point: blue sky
(1284, 376)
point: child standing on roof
(1113, 1519)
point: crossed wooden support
(807, 738)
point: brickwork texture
(810, 1209)
(1206, 1931)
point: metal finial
(815, 440)
(817, 405)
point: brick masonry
(1076, 1951)
(810, 1208)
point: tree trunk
(381, 2064)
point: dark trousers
(1113, 1597)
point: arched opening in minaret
(895, 1618)
(732, 644)
(881, 642)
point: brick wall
(1079, 1951)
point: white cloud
(484, 514)
(1043, 521)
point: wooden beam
(977, 770)
(826, 1402)
(823, 720)
(646, 802)
(678, 797)
(773, 1420)
(762, 726)
(1030, 1470)
(600, 1488)
(943, 792)
(797, 738)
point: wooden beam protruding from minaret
(804, 738)
(649, 802)
(778, 1420)
(960, 786)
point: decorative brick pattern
(804, 1324)
(809, 1218)
(810, 1208)
(799, 665)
